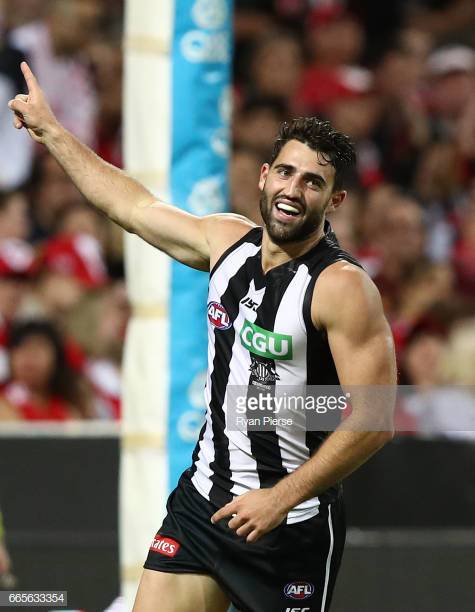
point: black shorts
(291, 567)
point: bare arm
(185, 237)
(347, 304)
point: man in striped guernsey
(257, 520)
(287, 308)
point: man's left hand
(254, 513)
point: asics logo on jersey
(250, 303)
(164, 546)
(265, 343)
(217, 315)
(299, 590)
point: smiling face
(296, 191)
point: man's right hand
(32, 111)
(197, 242)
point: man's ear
(263, 176)
(337, 199)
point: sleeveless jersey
(260, 329)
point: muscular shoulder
(345, 296)
(347, 304)
(222, 231)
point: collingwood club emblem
(262, 372)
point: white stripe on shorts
(329, 558)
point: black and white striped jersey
(260, 329)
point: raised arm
(192, 240)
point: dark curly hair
(336, 148)
(64, 381)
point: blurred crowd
(397, 77)
(63, 304)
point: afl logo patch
(218, 317)
(299, 589)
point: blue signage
(201, 64)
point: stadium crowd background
(398, 77)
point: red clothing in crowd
(18, 396)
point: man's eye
(284, 171)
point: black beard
(281, 233)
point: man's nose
(293, 188)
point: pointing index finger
(30, 78)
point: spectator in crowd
(438, 411)
(377, 202)
(81, 219)
(422, 358)
(398, 245)
(256, 122)
(97, 324)
(243, 183)
(403, 127)
(16, 272)
(52, 193)
(428, 288)
(452, 78)
(251, 21)
(69, 264)
(42, 386)
(277, 64)
(335, 41)
(14, 216)
(106, 60)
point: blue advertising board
(202, 48)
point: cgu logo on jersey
(297, 609)
(266, 343)
(217, 315)
(164, 546)
(299, 590)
